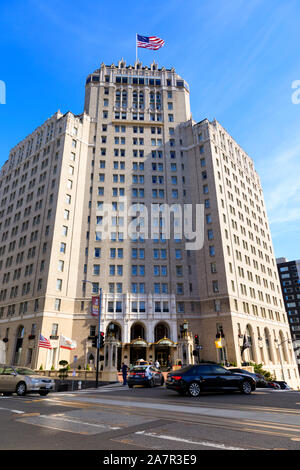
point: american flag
(44, 343)
(151, 42)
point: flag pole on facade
(136, 47)
(246, 345)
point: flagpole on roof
(136, 48)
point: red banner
(95, 306)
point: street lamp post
(98, 338)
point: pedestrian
(124, 373)
(157, 364)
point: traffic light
(94, 341)
(101, 340)
(196, 338)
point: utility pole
(99, 333)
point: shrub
(258, 369)
(63, 372)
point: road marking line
(13, 411)
(178, 439)
(29, 414)
(56, 417)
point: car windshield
(25, 371)
(139, 369)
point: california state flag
(67, 343)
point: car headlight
(35, 381)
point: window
(213, 268)
(96, 270)
(215, 285)
(97, 253)
(211, 250)
(61, 265)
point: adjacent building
(289, 274)
(104, 197)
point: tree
(63, 372)
(258, 369)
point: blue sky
(239, 57)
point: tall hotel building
(136, 145)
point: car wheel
(21, 389)
(151, 383)
(246, 387)
(194, 389)
(43, 394)
(130, 386)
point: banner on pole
(95, 306)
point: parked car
(147, 375)
(260, 380)
(283, 385)
(274, 385)
(21, 380)
(195, 379)
(141, 362)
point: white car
(21, 380)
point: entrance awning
(139, 343)
(165, 342)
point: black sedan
(194, 379)
(145, 375)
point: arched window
(267, 341)
(124, 99)
(113, 329)
(137, 331)
(135, 99)
(283, 344)
(118, 98)
(249, 340)
(141, 100)
(161, 331)
(19, 345)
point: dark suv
(194, 379)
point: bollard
(79, 384)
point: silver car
(21, 380)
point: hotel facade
(133, 149)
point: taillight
(176, 377)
